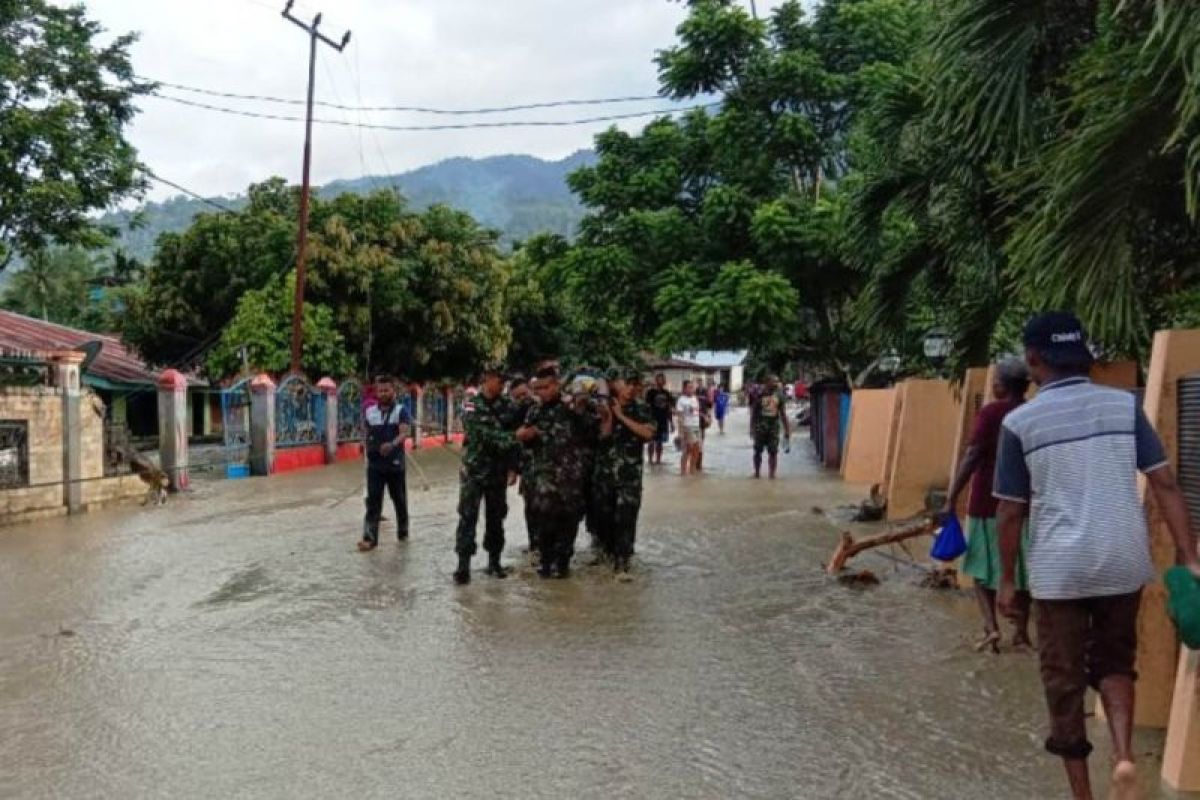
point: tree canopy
(67, 102)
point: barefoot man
(1068, 460)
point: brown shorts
(1080, 643)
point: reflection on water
(235, 644)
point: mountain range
(517, 195)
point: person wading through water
(978, 467)
(388, 424)
(1068, 460)
(662, 406)
(489, 467)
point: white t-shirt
(688, 409)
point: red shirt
(986, 438)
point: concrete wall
(924, 446)
(871, 416)
(974, 393)
(42, 408)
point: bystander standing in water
(977, 469)
(662, 406)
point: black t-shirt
(660, 403)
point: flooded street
(234, 644)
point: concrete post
(66, 377)
(173, 429)
(418, 414)
(262, 425)
(327, 387)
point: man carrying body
(555, 433)
(1068, 460)
(768, 411)
(387, 424)
(623, 439)
(488, 469)
(662, 406)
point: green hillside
(514, 194)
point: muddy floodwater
(234, 644)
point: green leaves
(66, 104)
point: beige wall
(924, 446)
(42, 408)
(974, 393)
(871, 413)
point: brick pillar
(418, 414)
(173, 428)
(262, 425)
(327, 387)
(66, 378)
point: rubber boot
(494, 567)
(462, 575)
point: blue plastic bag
(950, 542)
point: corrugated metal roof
(115, 364)
(716, 359)
(668, 362)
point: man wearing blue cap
(1068, 460)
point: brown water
(233, 644)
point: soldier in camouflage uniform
(767, 413)
(521, 393)
(555, 434)
(488, 469)
(619, 466)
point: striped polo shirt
(1073, 454)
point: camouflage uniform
(556, 494)
(618, 477)
(524, 461)
(489, 453)
(768, 411)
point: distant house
(727, 367)
(675, 370)
(125, 383)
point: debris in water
(817, 510)
(944, 578)
(873, 508)
(861, 578)
(848, 548)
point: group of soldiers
(576, 450)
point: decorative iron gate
(299, 413)
(433, 411)
(1189, 441)
(14, 453)
(350, 411)
(235, 422)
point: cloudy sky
(437, 53)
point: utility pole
(302, 231)
(753, 9)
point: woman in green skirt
(982, 561)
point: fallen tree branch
(848, 548)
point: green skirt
(982, 561)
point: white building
(727, 367)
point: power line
(445, 127)
(189, 192)
(413, 109)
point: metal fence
(1189, 441)
(14, 453)
(235, 422)
(299, 413)
(350, 411)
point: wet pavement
(234, 644)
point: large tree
(65, 103)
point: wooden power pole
(302, 229)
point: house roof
(716, 359)
(115, 367)
(654, 361)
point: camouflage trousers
(555, 529)
(471, 493)
(616, 509)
